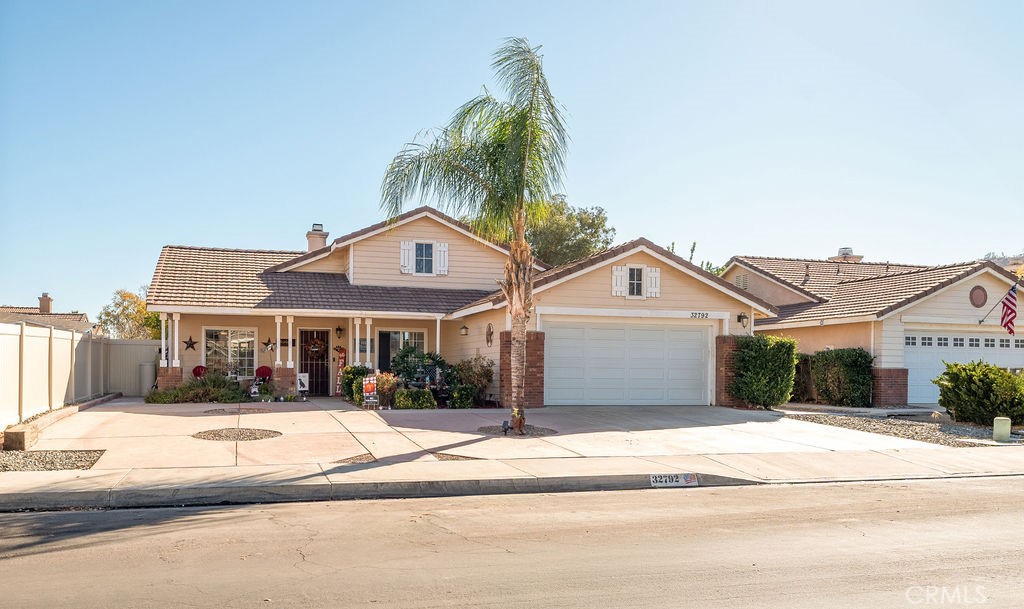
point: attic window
(636, 281)
(424, 258)
(742, 281)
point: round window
(978, 296)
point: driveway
(328, 431)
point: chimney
(45, 304)
(846, 255)
(316, 238)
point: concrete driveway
(326, 431)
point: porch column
(277, 348)
(358, 321)
(177, 339)
(291, 362)
(163, 340)
(369, 343)
(437, 336)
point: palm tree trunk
(518, 288)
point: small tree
(567, 233)
(126, 316)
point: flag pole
(999, 302)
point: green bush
(764, 370)
(157, 396)
(387, 385)
(212, 387)
(978, 392)
(476, 373)
(357, 390)
(803, 386)
(409, 362)
(842, 377)
(409, 399)
(463, 396)
(348, 374)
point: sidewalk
(152, 460)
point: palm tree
(497, 162)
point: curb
(24, 435)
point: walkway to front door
(314, 358)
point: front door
(314, 358)
(388, 343)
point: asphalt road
(915, 544)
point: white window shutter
(653, 282)
(407, 253)
(619, 281)
(441, 253)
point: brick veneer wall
(889, 386)
(168, 378)
(284, 381)
(534, 397)
(725, 371)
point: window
(364, 343)
(636, 281)
(974, 342)
(425, 258)
(231, 350)
(942, 341)
(1004, 343)
(1018, 343)
(926, 341)
(910, 341)
(958, 341)
(990, 343)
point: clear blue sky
(769, 128)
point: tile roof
(211, 277)
(78, 322)
(818, 278)
(881, 294)
(556, 273)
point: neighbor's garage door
(629, 364)
(924, 352)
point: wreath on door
(315, 348)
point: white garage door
(625, 364)
(924, 352)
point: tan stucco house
(910, 318)
(632, 325)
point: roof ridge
(827, 261)
(230, 249)
(910, 272)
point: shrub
(842, 377)
(208, 388)
(476, 373)
(157, 396)
(803, 386)
(408, 364)
(357, 390)
(387, 385)
(408, 399)
(348, 374)
(978, 392)
(463, 396)
(764, 370)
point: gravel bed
(532, 431)
(47, 460)
(236, 434)
(363, 458)
(238, 411)
(947, 434)
(451, 457)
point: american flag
(1009, 309)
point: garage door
(924, 352)
(628, 364)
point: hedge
(349, 375)
(978, 392)
(409, 399)
(765, 367)
(842, 377)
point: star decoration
(268, 345)
(189, 344)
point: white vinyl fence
(44, 368)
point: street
(907, 544)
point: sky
(761, 128)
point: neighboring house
(43, 316)
(910, 318)
(632, 325)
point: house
(911, 318)
(632, 325)
(44, 316)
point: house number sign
(700, 315)
(671, 480)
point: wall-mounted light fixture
(743, 319)
(464, 331)
(490, 334)
(339, 331)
